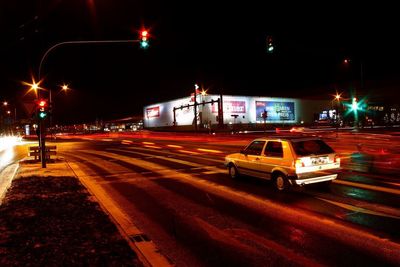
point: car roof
(289, 138)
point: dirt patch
(52, 221)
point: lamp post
(78, 43)
(338, 112)
(196, 88)
(11, 111)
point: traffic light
(144, 39)
(42, 109)
(270, 45)
(354, 104)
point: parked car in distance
(287, 161)
(297, 130)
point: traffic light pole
(42, 129)
(79, 42)
(218, 101)
(42, 142)
(195, 109)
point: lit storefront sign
(153, 112)
(276, 111)
(231, 106)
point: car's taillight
(337, 159)
(298, 163)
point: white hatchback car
(287, 161)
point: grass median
(48, 218)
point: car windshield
(311, 147)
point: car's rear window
(311, 147)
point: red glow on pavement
(174, 146)
(156, 147)
(209, 150)
(188, 152)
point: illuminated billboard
(276, 111)
(153, 112)
(231, 106)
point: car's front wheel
(281, 182)
(233, 172)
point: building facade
(236, 110)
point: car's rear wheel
(281, 182)
(233, 172)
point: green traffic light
(42, 115)
(270, 49)
(144, 44)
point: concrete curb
(145, 249)
(6, 177)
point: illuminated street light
(8, 112)
(65, 87)
(5, 103)
(34, 86)
(203, 92)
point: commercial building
(235, 110)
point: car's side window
(274, 149)
(255, 148)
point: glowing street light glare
(34, 86)
(203, 92)
(64, 87)
(5, 103)
(8, 112)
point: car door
(248, 164)
(272, 157)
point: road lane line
(209, 150)
(357, 209)
(210, 172)
(396, 184)
(174, 154)
(184, 162)
(174, 146)
(367, 186)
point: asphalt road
(177, 191)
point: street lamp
(64, 87)
(5, 103)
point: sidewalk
(47, 218)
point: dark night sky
(220, 46)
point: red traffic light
(144, 33)
(42, 103)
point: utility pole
(221, 112)
(196, 87)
